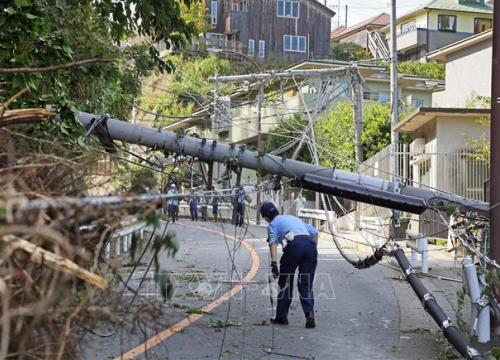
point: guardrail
(318, 218)
(122, 239)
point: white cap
(173, 186)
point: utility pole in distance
(495, 144)
(394, 89)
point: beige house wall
(468, 72)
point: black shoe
(279, 321)
(310, 324)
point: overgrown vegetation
(348, 51)
(431, 70)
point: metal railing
(447, 167)
(378, 46)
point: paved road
(357, 312)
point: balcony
(235, 21)
(412, 38)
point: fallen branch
(22, 116)
(54, 67)
(54, 261)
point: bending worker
(299, 241)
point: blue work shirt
(283, 224)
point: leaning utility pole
(394, 92)
(314, 177)
(495, 144)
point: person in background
(215, 204)
(204, 207)
(193, 206)
(299, 242)
(173, 203)
(241, 198)
(300, 203)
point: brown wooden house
(270, 29)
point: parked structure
(366, 34)
(468, 71)
(437, 24)
(270, 29)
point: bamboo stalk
(54, 261)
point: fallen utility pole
(430, 305)
(336, 182)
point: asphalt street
(358, 312)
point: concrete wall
(468, 72)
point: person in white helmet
(173, 203)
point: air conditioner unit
(417, 147)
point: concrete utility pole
(495, 145)
(332, 181)
(346, 10)
(260, 98)
(358, 116)
(394, 91)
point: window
(447, 23)
(251, 47)
(262, 49)
(244, 5)
(482, 24)
(383, 97)
(294, 43)
(288, 8)
(213, 13)
(417, 103)
(235, 6)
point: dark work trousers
(240, 214)
(302, 253)
(173, 212)
(194, 212)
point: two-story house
(271, 29)
(364, 34)
(437, 24)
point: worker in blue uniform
(299, 241)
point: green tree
(52, 33)
(185, 89)
(348, 52)
(289, 129)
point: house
(271, 29)
(365, 34)
(440, 154)
(468, 59)
(415, 91)
(439, 23)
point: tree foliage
(348, 51)
(335, 134)
(184, 90)
(431, 70)
(288, 129)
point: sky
(359, 10)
